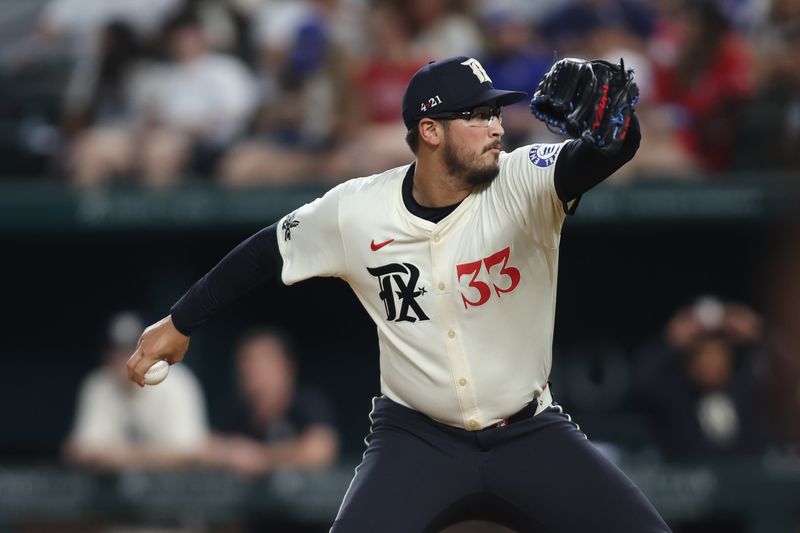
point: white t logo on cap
(477, 69)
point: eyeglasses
(480, 117)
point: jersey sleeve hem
(341, 275)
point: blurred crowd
(249, 92)
(269, 422)
(718, 381)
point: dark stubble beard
(456, 165)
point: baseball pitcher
(455, 258)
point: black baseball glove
(591, 100)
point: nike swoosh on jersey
(375, 247)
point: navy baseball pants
(537, 475)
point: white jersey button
(462, 382)
(441, 286)
(473, 424)
(451, 334)
(436, 238)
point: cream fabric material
(464, 307)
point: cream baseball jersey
(464, 307)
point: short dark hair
(186, 18)
(412, 138)
(268, 333)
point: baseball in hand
(156, 373)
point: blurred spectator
(745, 14)
(516, 60)
(104, 97)
(443, 28)
(380, 81)
(306, 83)
(219, 19)
(80, 21)
(703, 70)
(84, 28)
(389, 65)
(769, 138)
(345, 19)
(609, 39)
(567, 27)
(784, 362)
(662, 155)
(702, 383)
(185, 113)
(119, 426)
(326, 76)
(56, 57)
(604, 29)
(276, 424)
(614, 38)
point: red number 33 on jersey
(484, 292)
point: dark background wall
(618, 284)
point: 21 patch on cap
(543, 155)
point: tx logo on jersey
(287, 226)
(398, 285)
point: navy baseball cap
(454, 84)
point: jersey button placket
(441, 263)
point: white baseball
(156, 373)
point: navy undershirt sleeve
(252, 262)
(580, 166)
